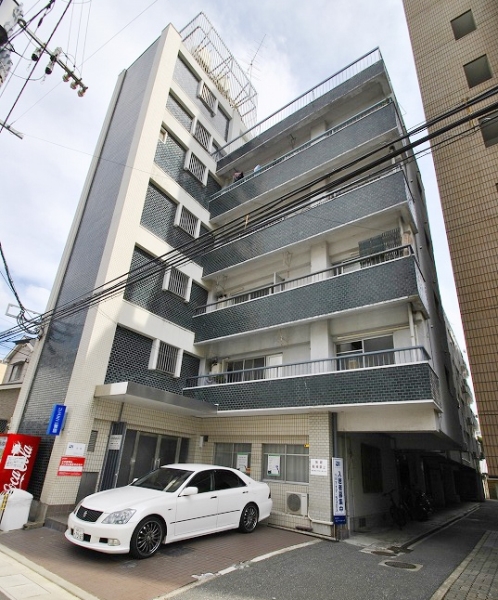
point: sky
(287, 46)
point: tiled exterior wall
(179, 113)
(129, 361)
(170, 156)
(381, 283)
(293, 120)
(326, 149)
(401, 383)
(190, 84)
(149, 294)
(467, 174)
(63, 336)
(363, 201)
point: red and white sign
(17, 456)
(71, 466)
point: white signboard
(75, 449)
(242, 462)
(15, 462)
(339, 497)
(273, 465)
(115, 442)
(319, 466)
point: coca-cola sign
(17, 460)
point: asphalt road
(329, 571)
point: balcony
(310, 159)
(325, 215)
(397, 375)
(378, 278)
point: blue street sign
(56, 419)
(340, 519)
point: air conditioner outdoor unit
(296, 503)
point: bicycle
(398, 513)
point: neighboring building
(455, 44)
(304, 323)
(12, 372)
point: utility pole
(11, 18)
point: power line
(264, 216)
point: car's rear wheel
(248, 518)
(147, 537)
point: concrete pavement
(22, 574)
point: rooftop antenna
(251, 64)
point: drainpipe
(412, 326)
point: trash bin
(14, 509)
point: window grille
(177, 282)
(92, 442)
(196, 167)
(207, 96)
(167, 358)
(188, 222)
(202, 135)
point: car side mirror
(190, 491)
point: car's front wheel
(248, 518)
(147, 537)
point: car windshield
(165, 479)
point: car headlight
(120, 517)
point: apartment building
(279, 307)
(456, 55)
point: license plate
(78, 534)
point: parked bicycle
(398, 513)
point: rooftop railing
(303, 100)
(347, 362)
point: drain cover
(401, 565)
(383, 552)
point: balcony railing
(334, 271)
(366, 360)
(301, 101)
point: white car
(172, 503)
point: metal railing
(303, 100)
(290, 284)
(347, 362)
(288, 155)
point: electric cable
(239, 228)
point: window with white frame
(202, 135)
(236, 456)
(177, 282)
(196, 167)
(165, 358)
(286, 462)
(16, 371)
(349, 353)
(187, 221)
(207, 96)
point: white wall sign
(242, 462)
(15, 462)
(339, 498)
(115, 442)
(319, 466)
(75, 449)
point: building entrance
(143, 452)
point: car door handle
(213, 497)
(246, 492)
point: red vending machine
(17, 457)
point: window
(349, 353)
(371, 469)
(207, 96)
(187, 221)
(92, 442)
(226, 480)
(477, 71)
(16, 372)
(163, 135)
(286, 462)
(236, 456)
(202, 135)
(377, 245)
(165, 358)
(252, 368)
(177, 283)
(196, 167)
(203, 481)
(463, 25)
(489, 129)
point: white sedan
(172, 503)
